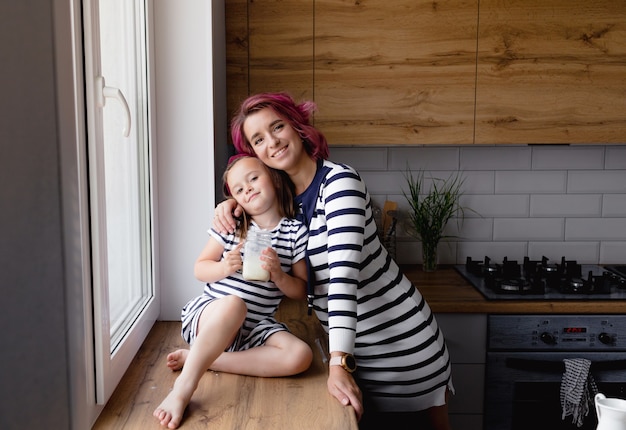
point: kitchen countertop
(446, 291)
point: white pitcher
(611, 413)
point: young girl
(226, 324)
(389, 360)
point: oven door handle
(558, 366)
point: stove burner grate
(538, 277)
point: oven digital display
(573, 330)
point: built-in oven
(526, 368)
(526, 354)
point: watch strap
(336, 361)
(346, 361)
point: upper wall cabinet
(551, 71)
(424, 72)
(236, 12)
(281, 46)
(400, 72)
(395, 72)
(269, 47)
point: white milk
(256, 242)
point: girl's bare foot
(170, 411)
(176, 359)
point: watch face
(350, 362)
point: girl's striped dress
(289, 239)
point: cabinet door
(281, 47)
(269, 47)
(551, 71)
(237, 46)
(400, 72)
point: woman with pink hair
(388, 355)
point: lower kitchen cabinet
(466, 337)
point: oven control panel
(557, 332)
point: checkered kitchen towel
(578, 389)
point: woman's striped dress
(289, 239)
(366, 304)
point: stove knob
(606, 338)
(547, 338)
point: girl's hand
(271, 263)
(225, 214)
(342, 386)
(232, 260)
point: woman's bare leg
(219, 323)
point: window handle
(103, 92)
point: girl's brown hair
(285, 192)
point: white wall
(185, 85)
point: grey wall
(533, 200)
(34, 391)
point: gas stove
(544, 280)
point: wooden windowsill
(227, 401)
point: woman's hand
(342, 386)
(225, 214)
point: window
(120, 175)
(186, 149)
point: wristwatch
(346, 361)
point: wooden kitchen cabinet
(236, 34)
(399, 72)
(269, 47)
(281, 47)
(417, 72)
(551, 71)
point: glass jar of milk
(256, 242)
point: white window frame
(192, 129)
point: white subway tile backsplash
(597, 181)
(614, 205)
(529, 200)
(384, 182)
(613, 252)
(473, 229)
(495, 158)
(508, 229)
(583, 252)
(615, 157)
(570, 158)
(478, 182)
(531, 182)
(368, 158)
(564, 205)
(494, 250)
(496, 205)
(405, 229)
(424, 158)
(595, 229)
(411, 252)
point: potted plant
(430, 211)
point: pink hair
(297, 115)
